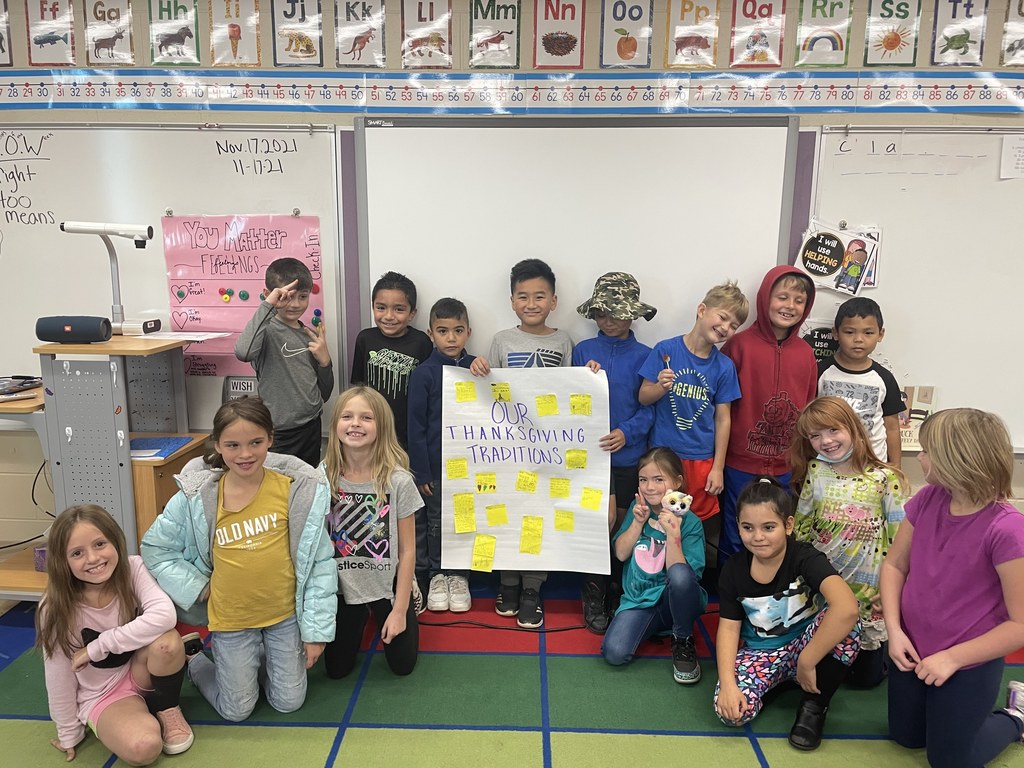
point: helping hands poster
(525, 483)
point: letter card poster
(525, 483)
(216, 272)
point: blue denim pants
(677, 610)
(246, 659)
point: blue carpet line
(761, 759)
(545, 711)
(347, 717)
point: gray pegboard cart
(95, 396)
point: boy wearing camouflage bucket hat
(614, 306)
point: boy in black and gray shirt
(292, 362)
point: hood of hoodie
(764, 296)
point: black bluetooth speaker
(73, 329)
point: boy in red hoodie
(778, 377)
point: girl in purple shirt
(953, 595)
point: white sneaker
(437, 597)
(1015, 702)
(459, 600)
(417, 598)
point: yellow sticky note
(526, 481)
(564, 520)
(465, 513)
(533, 532)
(559, 487)
(547, 405)
(576, 458)
(579, 405)
(483, 553)
(458, 469)
(486, 482)
(497, 514)
(465, 391)
(591, 499)
(502, 391)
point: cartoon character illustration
(1011, 50)
(425, 46)
(853, 266)
(3, 44)
(358, 43)
(959, 44)
(773, 433)
(757, 47)
(691, 44)
(107, 43)
(299, 44)
(497, 40)
(173, 42)
(50, 38)
(235, 36)
(678, 502)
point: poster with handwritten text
(216, 271)
(524, 481)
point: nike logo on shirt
(292, 352)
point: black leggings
(340, 654)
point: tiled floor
(482, 697)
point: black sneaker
(531, 614)
(507, 602)
(594, 615)
(685, 669)
(193, 644)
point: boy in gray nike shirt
(531, 344)
(292, 362)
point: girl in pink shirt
(111, 655)
(953, 595)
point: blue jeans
(729, 542)
(953, 721)
(678, 609)
(270, 656)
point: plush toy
(678, 502)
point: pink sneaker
(176, 733)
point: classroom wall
(20, 454)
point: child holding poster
(614, 305)
(373, 528)
(531, 344)
(449, 330)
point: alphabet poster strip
(298, 34)
(6, 60)
(626, 33)
(216, 272)
(51, 33)
(558, 33)
(494, 35)
(758, 27)
(426, 34)
(522, 464)
(1013, 37)
(108, 33)
(959, 36)
(235, 33)
(174, 32)
(359, 33)
(692, 34)
(893, 29)
(824, 33)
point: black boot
(810, 723)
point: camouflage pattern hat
(617, 294)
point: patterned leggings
(758, 670)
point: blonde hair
(829, 413)
(56, 613)
(387, 452)
(970, 452)
(729, 297)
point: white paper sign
(1011, 160)
(525, 483)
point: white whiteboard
(681, 203)
(50, 174)
(950, 273)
